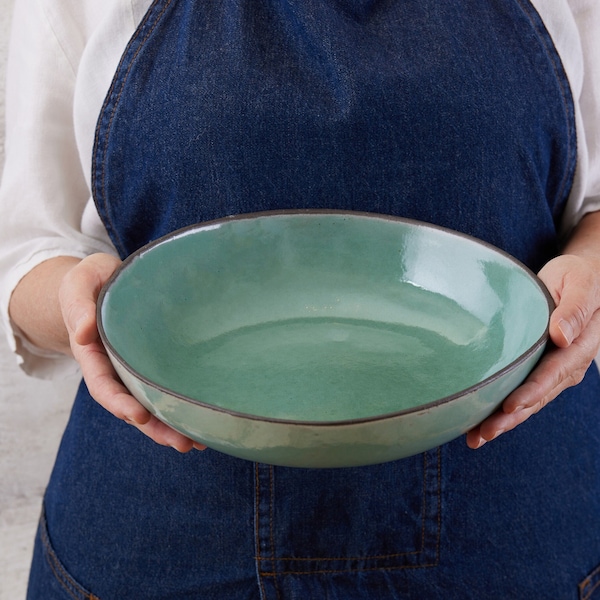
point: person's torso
(459, 115)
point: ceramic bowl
(322, 339)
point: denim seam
(58, 570)
(257, 512)
(99, 181)
(364, 570)
(382, 556)
(439, 507)
(271, 522)
(588, 593)
(423, 504)
(584, 593)
(566, 94)
(274, 559)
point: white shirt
(62, 58)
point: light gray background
(32, 416)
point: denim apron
(458, 113)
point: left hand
(574, 283)
(78, 294)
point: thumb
(576, 307)
(573, 283)
(78, 295)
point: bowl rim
(211, 224)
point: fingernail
(566, 330)
(498, 433)
(131, 421)
(200, 447)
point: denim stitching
(365, 570)
(122, 79)
(122, 87)
(58, 570)
(382, 556)
(439, 508)
(586, 594)
(356, 558)
(257, 530)
(423, 503)
(400, 567)
(566, 95)
(272, 520)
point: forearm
(55, 307)
(35, 306)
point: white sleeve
(43, 193)
(585, 196)
(587, 15)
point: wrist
(34, 306)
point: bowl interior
(321, 317)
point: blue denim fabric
(457, 113)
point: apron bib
(457, 113)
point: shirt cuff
(39, 363)
(34, 361)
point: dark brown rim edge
(321, 212)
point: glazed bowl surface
(322, 339)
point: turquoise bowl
(322, 338)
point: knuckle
(581, 315)
(69, 312)
(101, 391)
(576, 377)
(570, 377)
(589, 348)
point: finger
(577, 297)
(107, 389)
(167, 436)
(571, 317)
(79, 292)
(558, 370)
(495, 426)
(105, 386)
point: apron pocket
(349, 520)
(50, 579)
(590, 587)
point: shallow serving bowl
(322, 339)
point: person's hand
(574, 283)
(78, 294)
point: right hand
(78, 295)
